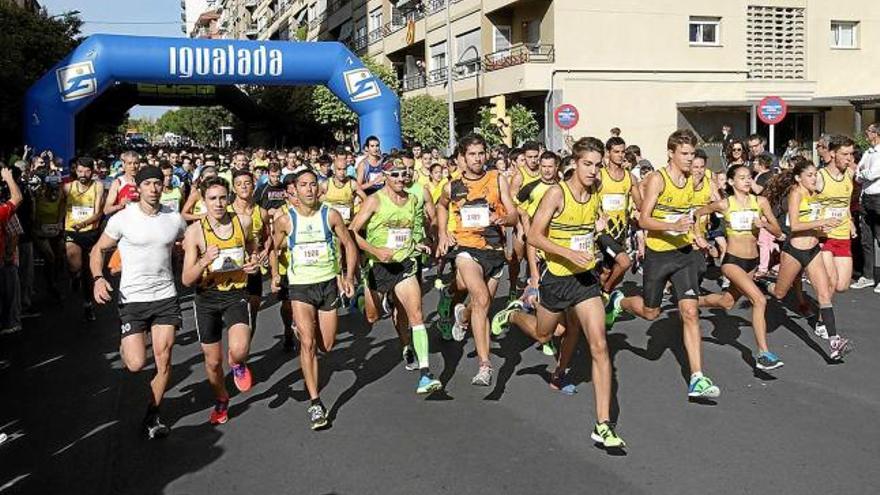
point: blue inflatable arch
(101, 60)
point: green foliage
(525, 125)
(201, 124)
(425, 119)
(328, 110)
(30, 44)
(862, 142)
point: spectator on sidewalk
(10, 229)
(868, 175)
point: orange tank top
(474, 206)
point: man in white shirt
(868, 175)
(145, 233)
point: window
(704, 30)
(844, 34)
(438, 56)
(467, 53)
(375, 21)
(501, 39)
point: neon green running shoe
(703, 387)
(603, 433)
(549, 349)
(613, 309)
(499, 321)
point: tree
(31, 44)
(424, 119)
(328, 110)
(525, 125)
(201, 124)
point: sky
(140, 17)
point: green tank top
(312, 249)
(393, 226)
(48, 211)
(171, 199)
(418, 190)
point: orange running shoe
(241, 375)
(220, 413)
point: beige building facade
(646, 67)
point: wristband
(97, 277)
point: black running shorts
(255, 284)
(747, 264)
(322, 295)
(558, 293)
(139, 317)
(491, 261)
(214, 310)
(681, 267)
(384, 277)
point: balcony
(375, 35)
(434, 6)
(314, 23)
(437, 76)
(517, 55)
(250, 4)
(251, 29)
(414, 81)
(399, 20)
(466, 69)
(358, 43)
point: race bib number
(343, 210)
(371, 176)
(310, 253)
(613, 202)
(50, 230)
(397, 238)
(172, 204)
(583, 243)
(80, 213)
(672, 219)
(229, 260)
(475, 216)
(836, 213)
(742, 220)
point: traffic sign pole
(772, 139)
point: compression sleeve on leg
(420, 344)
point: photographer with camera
(10, 229)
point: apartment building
(645, 66)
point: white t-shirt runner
(145, 244)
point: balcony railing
(318, 20)
(414, 81)
(375, 35)
(358, 43)
(249, 4)
(432, 6)
(517, 55)
(437, 76)
(251, 30)
(466, 69)
(399, 20)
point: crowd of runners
(333, 233)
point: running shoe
(862, 283)
(613, 309)
(428, 384)
(289, 343)
(725, 283)
(562, 383)
(703, 387)
(318, 417)
(768, 361)
(501, 318)
(409, 359)
(483, 378)
(877, 289)
(820, 330)
(527, 295)
(241, 375)
(549, 349)
(839, 347)
(3, 438)
(154, 427)
(459, 327)
(438, 283)
(603, 433)
(387, 306)
(220, 413)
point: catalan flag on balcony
(410, 32)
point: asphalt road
(73, 414)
